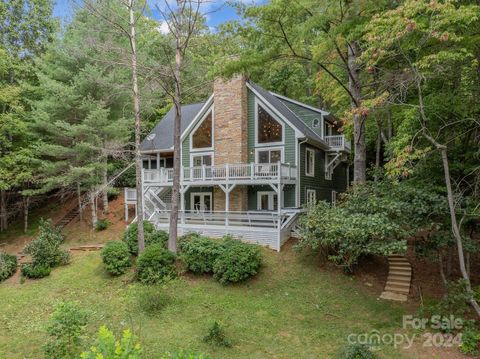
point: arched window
(202, 137)
(269, 130)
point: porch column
(227, 205)
(182, 205)
(158, 161)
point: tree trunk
(442, 272)
(136, 110)
(3, 210)
(377, 152)
(173, 227)
(105, 189)
(93, 208)
(360, 155)
(79, 197)
(26, 203)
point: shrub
(155, 264)
(151, 236)
(45, 248)
(102, 224)
(237, 262)
(357, 351)
(113, 193)
(8, 266)
(36, 271)
(116, 257)
(65, 329)
(216, 336)
(182, 354)
(107, 347)
(199, 253)
(152, 300)
(470, 339)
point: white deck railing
(338, 142)
(227, 172)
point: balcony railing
(225, 173)
(338, 142)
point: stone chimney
(231, 135)
(230, 129)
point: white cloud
(163, 27)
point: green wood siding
(305, 115)
(186, 152)
(290, 140)
(289, 195)
(322, 186)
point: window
(201, 160)
(328, 169)
(268, 129)
(267, 201)
(269, 155)
(311, 197)
(334, 198)
(316, 123)
(310, 162)
(202, 137)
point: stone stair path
(399, 279)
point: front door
(267, 201)
(201, 202)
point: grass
(292, 309)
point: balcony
(244, 173)
(338, 143)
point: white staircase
(157, 199)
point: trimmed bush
(155, 264)
(216, 336)
(45, 248)
(237, 262)
(152, 236)
(102, 224)
(199, 253)
(8, 265)
(116, 257)
(36, 271)
(152, 300)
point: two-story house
(251, 160)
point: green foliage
(36, 271)
(45, 248)
(151, 236)
(373, 219)
(237, 262)
(216, 336)
(113, 193)
(155, 264)
(470, 339)
(357, 351)
(8, 265)
(152, 299)
(116, 257)
(183, 354)
(102, 224)
(107, 347)
(65, 329)
(199, 253)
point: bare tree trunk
(79, 197)
(26, 203)
(377, 152)
(93, 208)
(105, 189)
(360, 155)
(442, 272)
(3, 210)
(173, 228)
(136, 110)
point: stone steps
(399, 279)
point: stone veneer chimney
(230, 135)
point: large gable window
(269, 130)
(202, 137)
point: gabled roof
(162, 133)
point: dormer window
(269, 130)
(316, 123)
(202, 137)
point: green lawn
(292, 309)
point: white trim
(298, 133)
(282, 142)
(310, 191)
(199, 154)
(270, 194)
(273, 148)
(201, 194)
(312, 151)
(204, 108)
(199, 123)
(328, 172)
(334, 198)
(323, 112)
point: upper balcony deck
(338, 143)
(242, 174)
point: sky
(217, 11)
